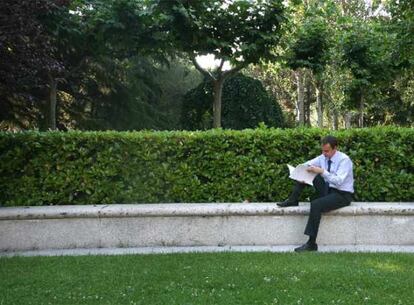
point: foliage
(279, 83)
(56, 168)
(113, 55)
(112, 59)
(239, 31)
(311, 46)
(175, 81)
(362, 61)
(27, 52)
(402, 21)
(137, 94)
(245, 105)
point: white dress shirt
(341, 174)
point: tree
(402, 22)
(67, 62)
(238, 31)
(245, 104)
(310, 50)
(110, 48)
(279, 82)
(366, 53)
(174, 81)
(28, 58)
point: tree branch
(234, 70)
(219, 71)
(199, 68)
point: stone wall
(218, 224)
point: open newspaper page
(299, 173)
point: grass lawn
(210, 278)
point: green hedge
(212, 166)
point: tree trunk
(52, 102)
(300, 107)
(308, 99)
(361, 112)
(329, 118)
(218, 81)
(218, 91)
(319, 103)
(335, 119)
(347, 119)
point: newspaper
(299, 173)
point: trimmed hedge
(55, 168)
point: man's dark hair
(331, 140)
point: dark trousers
(328, 199)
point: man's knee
(317, 179)
(316, 205)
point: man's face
(327, 150)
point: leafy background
(57, 168)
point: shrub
(212, 166)
(245, 104)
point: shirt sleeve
(338, 178)
(314, 162)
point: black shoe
(307, 247)
(288, 203)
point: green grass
(210, 278)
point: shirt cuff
(325, 173)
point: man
(334, 184)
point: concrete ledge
(194, 209)
(204, 249)
(194, 225)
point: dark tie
(329, 165)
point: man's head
(329, 144)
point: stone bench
(214, 224)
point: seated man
(334, 185)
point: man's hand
(315, 169)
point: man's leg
(327, 203)
(293, 198)
(319, 184)
(318, 206)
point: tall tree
(366, 53)
(101, 43)
(402, 17)
(28, 58)
(238, 31)
(310, 50)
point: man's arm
(314, 162)
(344, 169)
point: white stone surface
(197, 225)
(204, 249)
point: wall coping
(195, 209)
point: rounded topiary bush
(245, 104)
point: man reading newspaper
(334, 185)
